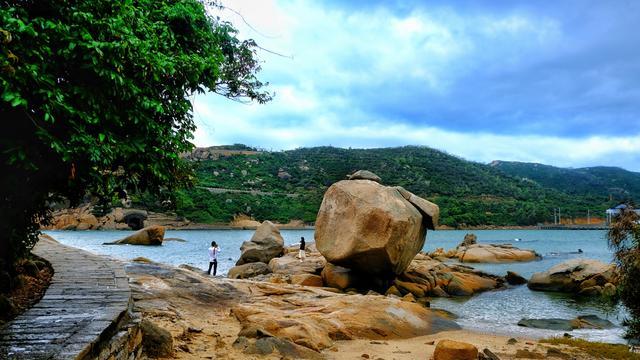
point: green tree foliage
(95, 97)
(624, 239)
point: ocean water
(491, 312)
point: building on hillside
(615, 211)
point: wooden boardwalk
(88, 296)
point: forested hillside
(289, 185)
(617, 183)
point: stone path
(87, 298)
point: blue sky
(550, 82)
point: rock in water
(266, 244)
(490, 253)
(583, 276)
(248, 270)
(455, 350)
(371, 228)
(469, 239)
(152, 235)
(515, 278)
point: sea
(495, 312)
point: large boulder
(265, 244)
(577, 276)
(371, 228)
(338, 277)
(151, 235)
(455, 350)
(581, 322)
(489, 253)
(248, 270)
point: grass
(596, 349)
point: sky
(554, 82)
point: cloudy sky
(550, 82)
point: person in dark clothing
(301, 253)
(213, 258)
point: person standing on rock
(213, 258)
(301, 253)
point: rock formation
(248, 270)
(581, 322)
(455, 350)
(151, 235)
(486, 253)
(265, 244)
(371, 228)
(577, 276)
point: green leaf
(101, 136)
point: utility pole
(555, 218)
(559, 217)
(589, 217)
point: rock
(156, 341)
(365, 175)
(338, 277)
(512, 341)
(488, 253)
(454, 350)
(151, 235)
(393, 291)
(290, 264)
(86, 222)
(609, 290)
(514, 278)
(438, 292)
(430, 211)
(575, 276)
(307, 280)
(409, 297)
(249, 270)
(368, 227)
(338, 317)
(581, 322)
(266, 244)
(469, 239)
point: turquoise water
(493, 312)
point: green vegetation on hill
(290, 185)
(616, 183)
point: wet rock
(156, 341)
(369, 228)
(455, 350)
(575, 276)
(151, 235)
(514, 278)
(581, 322)
(249, 270)
(266, 244)
(469, 239)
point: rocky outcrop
(248, 270)
(289, 263)
(338, 277)
(581, 322)
(577, 276)
(266, 244)
(315, 322)
(455, 350)
(487, 253)
(151, 235)
(307, 280)
(371, 228)
(156, 341)
(469, 239)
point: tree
(95, 99)
(624, 239)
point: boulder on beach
(491, 253)
(266, 244)
(151, 235)
(371, 228)
(577, 276)
(455, 350)
(248, 270)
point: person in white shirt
(213, 258)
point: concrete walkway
(87, 298)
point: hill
(613, 182)
(289, 185)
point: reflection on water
(494, 311)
